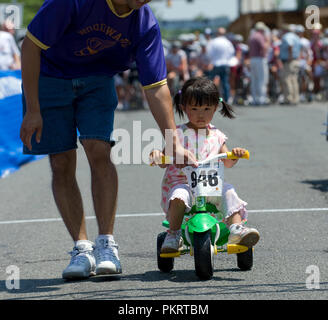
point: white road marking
(154, 214)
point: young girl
(199, 100)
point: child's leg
(178, 204)
(176, 213)
(234, 219)
(173, 241)
(235, 210)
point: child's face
(200, 116)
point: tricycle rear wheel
(204, 255)
(164, 264)
(245, 260)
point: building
(302, 4)
(252, 11)
(253, 6)
(190, 25)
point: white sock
(108, 237)
(86, 243)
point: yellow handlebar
(164, 160)
(231, 156)
(228, 155)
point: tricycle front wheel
(204, 255)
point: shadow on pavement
(83, 289)
(320, 185)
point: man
(290, 50)
(221, 51)
(69, 57)
(258, 51)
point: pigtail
(177, 104)
(227, 110)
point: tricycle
(203, 230)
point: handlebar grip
(165, 160)
(231, 156)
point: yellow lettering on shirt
(94, 45)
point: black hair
(201, 91)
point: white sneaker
(83, 263)
(239, 234)
(173, 242)
(107, 260)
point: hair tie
(180, 92)
(221, 100)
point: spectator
(317, 47)
(274, 86)
(208, 34)
(290, 50)
(306, 58)
(9, 52)
(204, 62)
(259, 46)
(221, 51)
(177, 67)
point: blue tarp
(11, 147)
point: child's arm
(155, 158)
(239, 152)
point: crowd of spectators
(287, 66)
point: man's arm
(32, 121)
(160, 104)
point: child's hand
(155, 158)
(238, 152)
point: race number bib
(206, 180)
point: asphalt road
(287, 170)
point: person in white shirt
(305, 64)
(221, 51)
(9, 52)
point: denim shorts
(84, 104)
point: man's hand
(32, 123)
(184, 158)
(155, 159)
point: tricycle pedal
(170, 255)
(174, 254)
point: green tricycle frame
(204, 235)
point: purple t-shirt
(257, 45)
(87, 37)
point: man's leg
(225, 78)
(67, 194)
(69, 202)
(104, 186)
(254, 80)
(104, 183)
